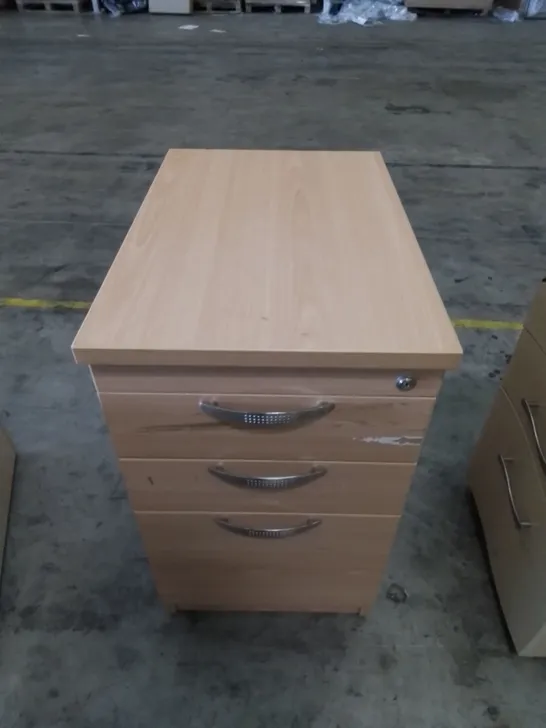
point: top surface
(266, 258)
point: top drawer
(191, 380)
(267, 427)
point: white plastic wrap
(365, 12)
(505, 15)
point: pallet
(50, 5)
(217, 6)
(429, 12)
(277, 7)
(481, 6)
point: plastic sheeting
(528, 9)
(365, 12)
(115, 8)
(505, 15)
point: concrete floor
(88, 109)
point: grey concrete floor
(88, 108)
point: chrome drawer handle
(269, 482)
(517, 520)
(263, 420)
(528, 408)
(307, 525)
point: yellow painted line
(485, 324)
(43, 303)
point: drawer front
(271, 486)
(180, 380)
(525, 385)
(368, 428)
(512, 508)
(334, 566)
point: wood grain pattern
(336, 567)
(187, 485)
(184, 380)
(517, 556)
(373, 429)
(270, 258)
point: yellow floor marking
(485, 324)
(43, 303)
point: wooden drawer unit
(508, 486)
(508, 479)
(266, 362)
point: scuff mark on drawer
(401, 441)
(182, 428)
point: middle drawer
(250, 486)
(267, 427)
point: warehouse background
(89, 108)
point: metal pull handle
(269, 482)
(528, 408)
(265, 420)
(307, 525)
(517, 520)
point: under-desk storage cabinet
(507, 476)
(267, 348)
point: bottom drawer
(506, 482)
(268, 562)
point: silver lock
(404, 382)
